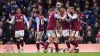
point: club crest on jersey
(21, 16)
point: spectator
(88, 28)
(93, 17)
(95, 7)
(87, 14)
(31, 38)
(32, 19)
(10, 35)
(80, 39)
(95, 28)
(89, 39)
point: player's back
(51, 22)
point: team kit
(58, 19)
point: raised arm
(64, 17)
(74, 16)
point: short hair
(53, 8)
(71, 7)
(17, 8)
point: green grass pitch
(51, 54)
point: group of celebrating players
(58, 18)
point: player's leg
(72, 33)
(56, 41)
(49, 33)
(41, 42)
(22, 40)
(75, 42)
(66, 35)
(38, 42)
(18, 40)
(18, 44)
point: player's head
(18, 10)
(71, 9)
(62, 9)
(56, 10)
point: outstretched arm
(12, 20)
(74, 16)
(57, 16)
(64, 17)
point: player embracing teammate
(51, 29)
(69, 24)
(75, 28)
(71, 27)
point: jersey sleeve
(12, 20)
(37, 21)
(72, 16)
(56, 16)
(26, 21)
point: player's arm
(57, 16)
(64, 17)
(72, 16)
(26, 21)
(12, 20)
(45, 19)
(38, 24)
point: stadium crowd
(89, 18)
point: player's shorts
(51, 33)
(74, 33)
(19, 33)
(40, 35)
(58, 34)
(66, 33)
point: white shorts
(40, 35)
(58, 34)
(74, 33)
(51, 33)
(19, 33)
(66, 32)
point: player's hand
(7, 20)
(27, 28)
(68, 10)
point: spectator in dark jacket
(95, 28)
(89, 39)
